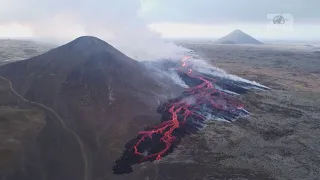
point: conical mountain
(102, 98)
(238, 37)
(83, 59)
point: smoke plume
(120, 23)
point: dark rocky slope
(102, 96)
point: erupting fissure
(204, 93)
(186, 114)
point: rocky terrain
(13, 50)
(281, 137)
(279, 140)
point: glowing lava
(186, 114)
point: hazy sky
(214, 18)
(171, 18)
(120, 21)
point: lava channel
(184, 115)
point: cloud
(15, 30)
(118, 22)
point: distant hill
(238, 37)
(103, 98)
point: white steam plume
(118, 22)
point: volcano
(105, 112)
(238, 37)
(94, 98)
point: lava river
(208, 97)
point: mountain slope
(89, 84)
(20, 123)
(238, 37)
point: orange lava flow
(204, 93)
